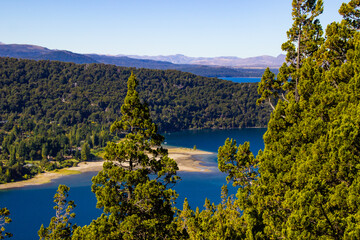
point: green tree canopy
(305, 183)
(60, 226)
(85, 152)
(4, 219)
(304, 39)
(308, 178)
(133, 187)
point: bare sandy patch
(187, 160)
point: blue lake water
(242, 79)
(32, 206)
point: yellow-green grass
(98, 153)
(65, 171)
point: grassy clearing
(66, 171)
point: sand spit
(187, 160)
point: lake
(242, 79)
(32, 206)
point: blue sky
(197, 28)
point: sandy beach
(187, 160)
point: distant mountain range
(42, 53)
(208, 67)
(235, 62)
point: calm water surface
(32, 206)
(242, 79)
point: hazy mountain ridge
(226, 61)
(41, 53)
(22, 50)
(125, 61)
(207, 67)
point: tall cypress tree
(133, 187)
(304, 39)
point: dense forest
(303, 185)
(68, 94)
(50, 110)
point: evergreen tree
(22, 151)
(308, 182)
(268, 88)
(44, 151)
(60, 226)
(222, 221)
(85, 152)
(133, 187)
(339, 40)
(305, 37)
(304, 185)
(13, 159)
(95, 139)
(351, 13)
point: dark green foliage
(48, 110)
(60, 226)
(4, 219)
(67, 94)
(238, 162)
(221, 221)
(52, 144)
(308, 182)
(305, 184)
(17, 171)
(268, 88)
(85, 152)
(133, 187)
(351, 13)
(309, 179)
(304, 39)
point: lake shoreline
(186, 158)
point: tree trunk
(297, 68)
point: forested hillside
(68, 94)
(49, 110)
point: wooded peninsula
(53, 113)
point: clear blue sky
(197, 28)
